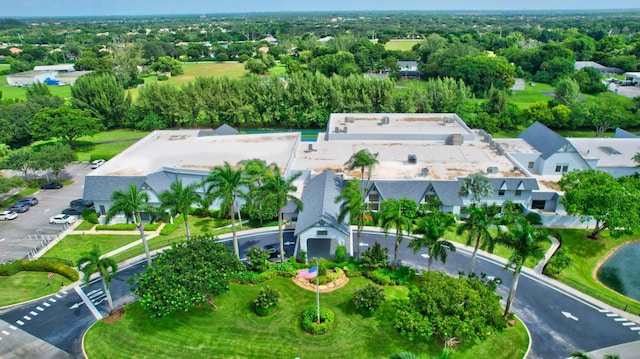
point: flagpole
(318, 291)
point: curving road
(559, 322)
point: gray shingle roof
(543, 139)
(528, 184)
(225, 130)
(159, 181)
(318, 197)
(620, 133)
(446, 191)
(544, 196)
(100, 188)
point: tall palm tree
(256, 169)
(364, 160)
(131, 203)
(226, 183)
(391, 216)
(477, 186)
(178, 199)
(278, 190)
(91, 262)
(525, 241)
(432, 228)
(636, 158)
(352, 204)
(481, 218)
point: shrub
(351, 269)
(379, 277)
(163, 77)
(257, 259)
(310, 320)
(116, 227)
(375, 257)
(560, 261)
(341, 254)
(267, 301)
(330, 276)
(152, 226)
(322, 267)
(41, 265)
(534, 218)
(303, 256)
(90, 216)
(369, 299)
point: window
(530, 165)
(374, 202)
(562, 167)
(518, 192)
(374, 198)
(322, 232)
(501, 192)
(538, 204)
(374, 206)
(429, 197)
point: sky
(48, 8)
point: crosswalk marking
(27, 317)
(40, 309)
(58, 296)
(635, 328)
(628, 324)
(612, 315)
(603, 310)
(5, 332)
(46, 304)
(19, 322)
(33, 313)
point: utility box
(412, 159)
(493, 170)
(455, 139)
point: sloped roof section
(448, 192)
(620, 133)
(159, 181)
(543, 139)
(100, 188)
(225, 130)
(515, 183)
(414, 190)
(319, 196)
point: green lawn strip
(108, 150)
(73, 246)
(84, 226)
(401, 45)
(585, 254)
(21, 92)
(234, 331)
(531, 94)
(27, 286)
(113, 135)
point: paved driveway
(30, 229)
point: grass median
(27, 286)
(234, 331)
(73, 246)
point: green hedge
(126, 227)
(58, 266)
(101, 156)
(310, 320)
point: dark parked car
(274, 251)
(81, 203)
(51, 185)
(74, 211)
(19, 207)
(32, 201)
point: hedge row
(126, 227)
(41, 265)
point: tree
(481, 219)
(54, 156)
(178, 199)
(476, 186)
(226, 184)
(525, 241)
(278, 190)
(100, 93)
(364, 160)
(65, 123)
(18, 160)
(92, 262)
(352, 205)
(391, 216)
(132, 203)
(567, 92)
(596, 195)
(481, 73)
(188, 274)
(432, 227)
(604, 111)
(167, 64)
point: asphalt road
(19, 236)
(554, 334)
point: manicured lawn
(114, 135)
(28, 286)
(103, 150)
(586, 253)
(531, 95)
(90, 145)
(402, 45)
(21, 92)
(234, 331)
(73, 246)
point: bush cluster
(101, 156)
(163, 77)
(341, 254)
(391, 276)
(369, 299)
(375, 257)
(90, 216)
(116, 227)
(310, 320)
(257, 259)
(41, 265)
(267, 301)
(330, 276)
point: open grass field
(402, 45)
(585, 254)
(89, 146)
(531, 95)
(21, 92)
(28, 286)
(234, 331)
(73, 246)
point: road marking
(40, 309)
(2, 239)
(628, 324)
(5, 332)
(33, 313)
(619, 319)
(19, 322)
(288, 243)
(569, 316)
(12, 327)
(612, 315)
(26, 317)
(635, 328)
(76, 305)
(425, 256)
(65, 292)
(46, 304)
(94, 295)
(364, 244)
(58, 296)
(52, 300)
(603, 310)
(86, 301)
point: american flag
(308, 273)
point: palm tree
(226, 184)
(636, 158)
(256, 169)
(364, 160)
(525, 241)
(391, 216)
(481, 218)
(276, 189)
(131, 203)
(91, 262)
(352, 204)
(432, 228)
(477, 186)
(178, 199)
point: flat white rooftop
(515, 145)
(610, 152)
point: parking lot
(21, 235)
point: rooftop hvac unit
(425, 171)
(455, 139)
(349, 119)
(493, 170)
(385, 120)
(412, 159)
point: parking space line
(12, 327)
(33, 313)
(26, 317)
(40, 309)
(46, 304)
(19, 322)
(5, 332)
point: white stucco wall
(338, 238)
(573, 159)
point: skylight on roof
(610, 150)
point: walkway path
(555, 244)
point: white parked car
(8, 215)
(97, 163)
(62, 219)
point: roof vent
(455, 139)
(349, 119)
(448, 120)
(493, 170)
(412, 159)
(385, 120)
(425, 172)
